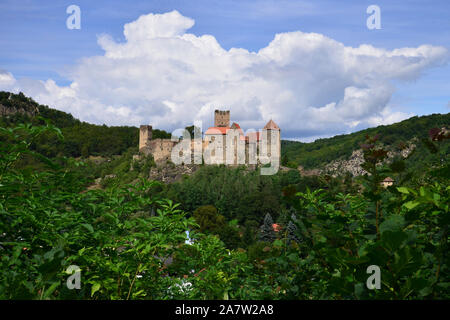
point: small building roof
(271, 125)
(276, 227)
(237, 127)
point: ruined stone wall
(161, 149)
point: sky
(314, 67)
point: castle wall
(161, 149)
(251, 151)
(234, 148)
(216, 142)
(197, 147)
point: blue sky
(36, 43)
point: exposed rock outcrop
(169, 173)
(8, 111)
(354, 162)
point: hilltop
(341, 152)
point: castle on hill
(221, 144)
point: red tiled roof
(276, 227)
(271, 125)
(237, 127)
(217, 130)
(250, 137)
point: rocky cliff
(354, 162)
(7, 111)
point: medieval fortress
(221, 144)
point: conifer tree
(291, 231)
(266, 231)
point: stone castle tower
(160, 148)
(273, 132)
(222, 118)
(145, 136)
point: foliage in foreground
(130, 244)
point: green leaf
(394, 222)
(403, 190)
(278, 243)
(393, 240)
(50, 290)
(422, 191)
(95, 288)
(411, 204)
(88, 227)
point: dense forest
(322, 151)
(80, 138)
(285, 236)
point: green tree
(209, 219)
(266, 232)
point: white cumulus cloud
(311, 85)
(7, 80)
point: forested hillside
(80, 138)
(322, 151)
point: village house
(387, 182)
